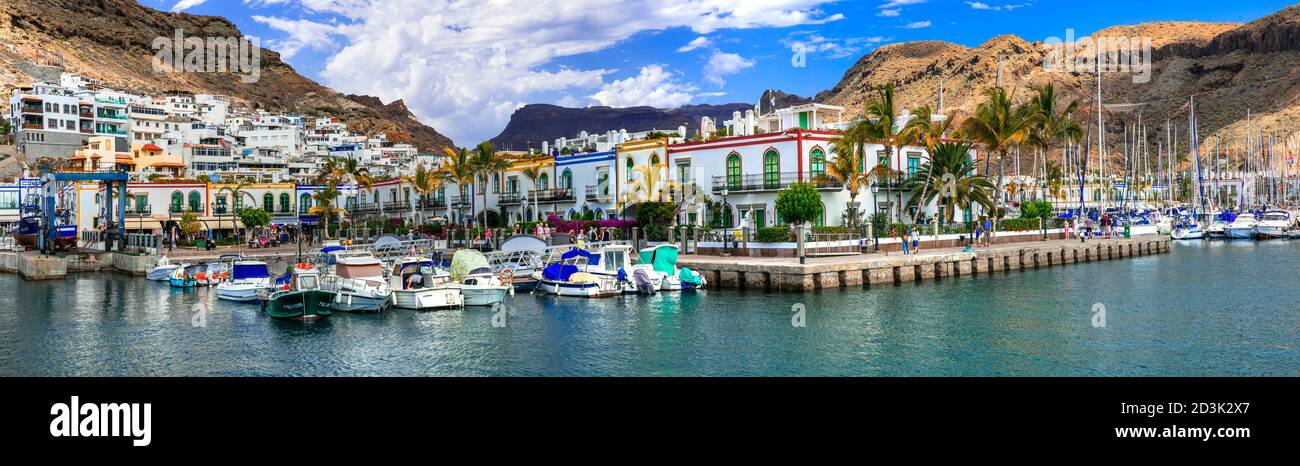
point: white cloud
(653, 86)
(832, 48)
(702, 41)
(463, 67)
(723, 64)
(888, 13)
(985, 6)
(898, 3)
(917, 25)
(183, 5)
(300, 34)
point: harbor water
(1205, 309)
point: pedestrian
(1087, 230)
(979, 230)
(916, 240)
(902, 238)
(988, 231)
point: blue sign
(29, 183)
(66, 231)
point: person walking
(979, 230)
(894, 234)
(988, 231)
(916, 239)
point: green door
(803, 120)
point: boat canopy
(465, 261)
(417, 264)
(359, 269)
(559, 272)
(592, 259)
(244, 270)
(662, 257)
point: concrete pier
(867, 270)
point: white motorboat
(1273, 224)
(615, 260)
(566, 278)
(471, 273)
(416, 283)
(161, 271)
(358, 283)
(664, 260)
(1243, 227)
(248, 282)
(1187, 230)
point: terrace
(552, 195)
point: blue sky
(464, 66)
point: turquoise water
(1214, 308)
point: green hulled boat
(303, 300)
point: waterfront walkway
(785, 273)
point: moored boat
(303, 300)
(358, 283)
(1243, 227)
(1273, 224)
(248, 280)
(566, 278)
(478, 285)
(664, 260)
(161, 271)
(431, 290)
(183, 276)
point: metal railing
(552, 195)
(772, 182)
(510, 198)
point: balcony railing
(771, 182)
(552, 195)
(368, 207)
(140, 211)
(392, 206)
(510, 198)
(29, 109)
(459, 202)
(432, 203)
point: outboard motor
(643, 283)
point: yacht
(430, 292)
(161, 271)
(1187, 229)
(1275, 223)
(615, 260)
(566, 278)
(1243, 227)
(358, 283)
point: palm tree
(847, 167)
(880, 126)
(423, 182)
(923, 127)
(236, 199)
(1053, 123)
(487, 164)
(533, 172)
(951, 158)
(458, 168)
(1000, 126)
(324, 200)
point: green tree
(847, 167)
(967, 187)
(881, 126)
(458, 168)
(253, 218)
(190, 224)
(1001, 126)
(424, 182)
(930, 132)
(324, 204)
(533, 172)
(799, 203)
(487, 164)
(1053, 124)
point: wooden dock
(786, 274)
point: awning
(285, 221)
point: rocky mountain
(111, 41)
(534, 123)
(1230, 67)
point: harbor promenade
(894, 268)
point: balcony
(552, 195)
(459, 202)
(30, 109)
(431, 203)
(367, 208)
(773, 182)
(394, 206)
(510, 198)
(146, 211)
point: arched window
(817, 163)
(239, 201)
(268, 202)
(733, 173)
(284, 202)
(304, 202)
(820, 221)
(177, 201)
(654, 159)
(496, 183)
(363, 198)
(543, 182)
(771, 170)
(630, 167)
(196, 202)
(572, 215)
(566, 180)
(727, 221)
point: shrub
(832, 230)
(1036, 209)
(799, 203)
(779, 234)
(1018, 224)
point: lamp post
(726, 213)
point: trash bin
(1127, 232)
